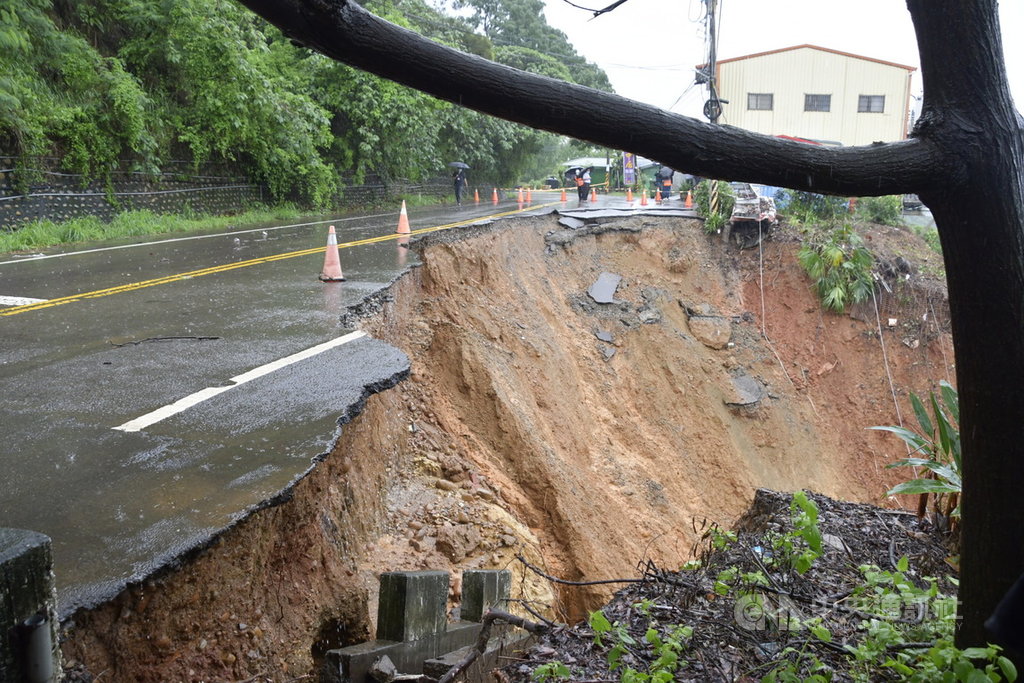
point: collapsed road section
(584, 436)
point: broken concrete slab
(746, 390)
(571, 223)
(508, 642)
(603, 289)
(609, 352)
(619, 213)
(605, 336)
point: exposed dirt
(586, 436)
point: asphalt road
(154, 393)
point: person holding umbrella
(580, 176)
(665, 181)
(459, 177)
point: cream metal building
(818, 94)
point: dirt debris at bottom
(740, 613)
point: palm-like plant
(840, 265)
(938, 444)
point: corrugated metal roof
(812, 47)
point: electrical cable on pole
(713, 107)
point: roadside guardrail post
(413, 630)
(28, 609)
(483, 589)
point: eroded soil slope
(586, 436)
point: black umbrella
(573, 172)
(458, 164)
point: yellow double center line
(133, 286)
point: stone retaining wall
(60, 197)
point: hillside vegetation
(99, 85)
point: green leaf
(599, 623)
(917, 486)
(951, 399)
(912, 439)
(821, 633)
(1008, 669)
(922, 415)
(976, 676)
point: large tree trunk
(965, 161)
(979, 211)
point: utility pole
(713, 107)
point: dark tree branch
(565, 582)
(346, 32)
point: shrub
(886, 210)
(809, 207)
(702, 202)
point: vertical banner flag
(628, 168)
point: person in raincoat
(459, 177)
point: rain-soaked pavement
(154, 393)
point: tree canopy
(99, 85)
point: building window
(760, 101)
(874, 104)
(817, 103)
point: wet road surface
(154, 393)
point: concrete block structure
(413, 630)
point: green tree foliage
(886, 210)
(103, 83)
(521, 23)
(809, 207)
(58, 94)
(231, 89)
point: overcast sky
(648, 48)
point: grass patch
(42, 234)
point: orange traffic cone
(643, 197)
(520, 195)
(403, 222)
(593, 194)
(629, 194)
(529, 195)
(689, 200)
(476, 196)
(563, 194)
(494, 196)
(657, 195)
(332, 264)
